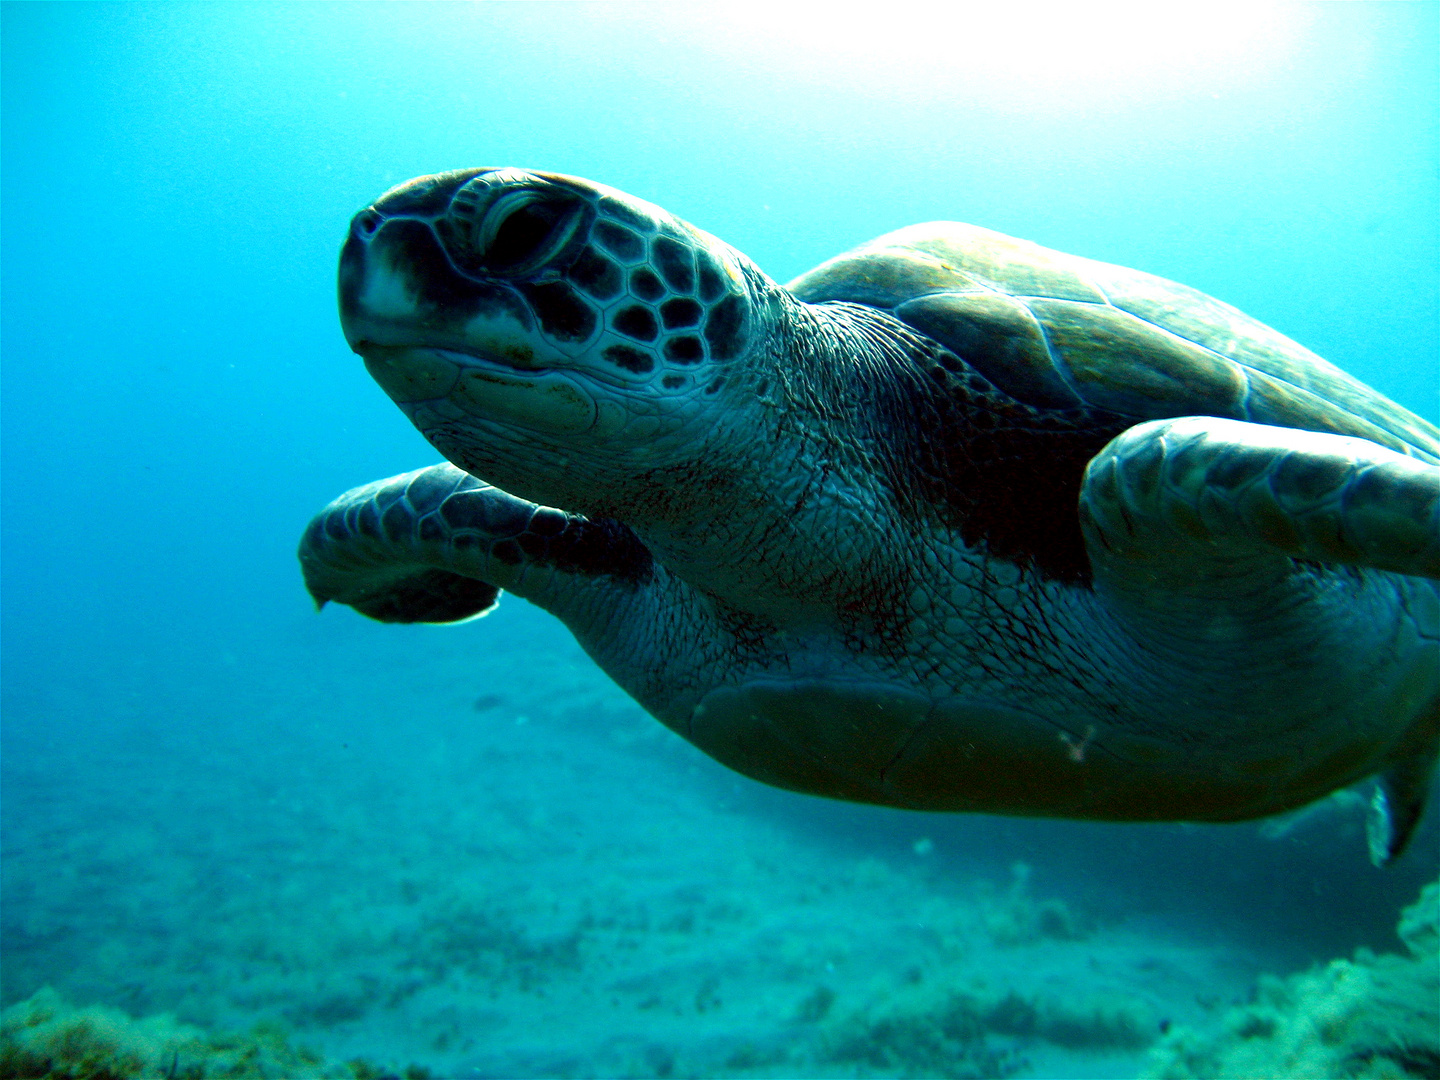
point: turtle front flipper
(437, 546)
(1171, 498)
(1190, 520)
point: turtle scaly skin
(952, 522)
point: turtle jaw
(545, 401)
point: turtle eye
(507, 224)
(524, 230)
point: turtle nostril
(365, 224)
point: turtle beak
(371, 294)
(398, 286)
(392, 261)
(436, 338)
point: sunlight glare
(1017, 50)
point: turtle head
(526, 320)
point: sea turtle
(951, 522)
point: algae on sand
(45, 1038)
(1369, 1018)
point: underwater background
(463, 850)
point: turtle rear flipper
(437, 546)
(1176, 498)
(1399, 801)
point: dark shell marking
(636, 360)
(679, 288)
(596, 275)
(619, 241)
(680, 312)
(645, 285)
(636, 321)
(563, 313)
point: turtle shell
(1059, 331)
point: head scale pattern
(591, 273)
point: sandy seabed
(466, 849)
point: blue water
(463, 847)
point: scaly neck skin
(785, 518)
